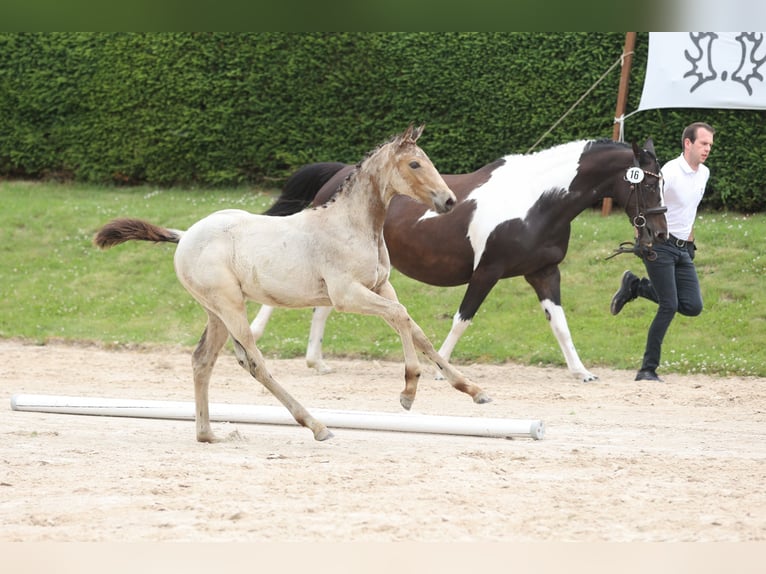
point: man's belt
(680, 243)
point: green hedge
(213, 109)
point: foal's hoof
(406, 402)
(320, 367)
(482, 398)
(208, 438)
(323, 434)
(205, 434)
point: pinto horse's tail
(301, 188)
(121, 230)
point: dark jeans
(673, 284)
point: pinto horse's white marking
(558, 322)
(529, 176)
(330, 256)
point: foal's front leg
(455, 377)
(424, 345)
(356, 298)
(385, 304)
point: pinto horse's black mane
(594, 145)
(604, 143)
(553, 196)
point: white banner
(705, 70)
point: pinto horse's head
(641, 193)
(415, 176)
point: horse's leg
(230, 307)
(459, 326)
(482, 282)
(250, 358)
(314, 358)
(203, 360)
(356, 298)
(386, 305)
(258, 326)
(453, 376)
(547, 285)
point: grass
(54, 285)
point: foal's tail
(121, 230)
(301, 188)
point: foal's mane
(348, 181)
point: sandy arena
(683, 460)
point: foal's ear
(417, 131)
(412, 133)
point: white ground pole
(277, 415)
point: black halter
(638, 190)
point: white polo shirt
(684, 189)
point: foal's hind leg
(227, 313)
(203, 360)
(251, 359)
(230, 307)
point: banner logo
(702, 62)
(705, 70)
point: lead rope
(631, 246)
(577, 103)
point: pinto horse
(513, 217)
(334, 256)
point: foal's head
(412, 173)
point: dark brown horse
(512, 218)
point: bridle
(638, 189)
(639, 221)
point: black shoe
(647, 375)
(627, 292)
